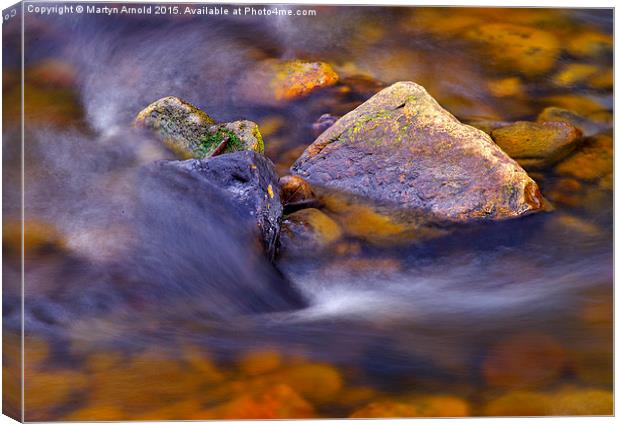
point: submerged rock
(278, 402)
(324, 122)
(251, 181)
(273, 81)
(524, 360)
(592, 44)
(593, 161)
(574, 74)
(52, 73)
(519, 403)
(588, 401)
(415, 161)
(425, 406)
(586, 125)
(296, 193)
(536, 145)
(529, 50)
(308, 231)
(191, 133)
(386, 409)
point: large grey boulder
(414, 161)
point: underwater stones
(415, 162)
(46, 391)
(441, 406)
(385, 409)
(260, 362)
(583, 402)
(277, 402)
(314, 381)
(39, 238)
(590, 44)
(586, 125)
(191, 133)
(524, 360)
(324, 122)
(295, 192)
(519, 403)
(308, 231)
(426, 406)
(536, 145)
(591, 162)
(249, 179)
(52, 73)
(529, 50)
(574, 74)
(506, 87)
(273, 82)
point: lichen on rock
(191, 133)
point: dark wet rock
(324, 122)
(586, 125)
(250, 181)
(414, 161)
(537, 145)
(212, 217)
(308, 231)
(191, 133)
(296, 193)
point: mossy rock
(191, 133)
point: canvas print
(229, 211)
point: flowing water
(143, 303)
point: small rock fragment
(537, 145)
